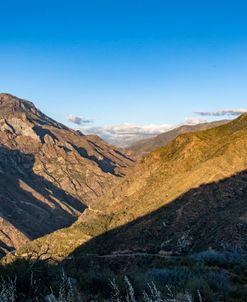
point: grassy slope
(191, 160)
(145, 146)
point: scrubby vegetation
(208, 276)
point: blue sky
(133, 61)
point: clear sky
(125, 61)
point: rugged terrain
(145, 146)
(49, 173)
(187, 196)
(175, 225)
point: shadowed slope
(160, 181)
(30, 206)
(210, 216)
(46, 161)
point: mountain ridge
(145, 146)
(52, 171)
(205, 169)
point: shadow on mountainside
(29, 202)
(42, 132)
(210, 216)
(105, 164)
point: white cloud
(224, 112)
(78, 120)
(125, 134)
(194, 121)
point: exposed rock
(49, 173)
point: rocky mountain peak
(14, 107)
(48, 170)
(10, 104)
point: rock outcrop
(48, 173)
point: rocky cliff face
(49, 173)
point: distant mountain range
(187, 196)
(49, 173)
(145, 146)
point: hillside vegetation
(145, 146)
(186, 196)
